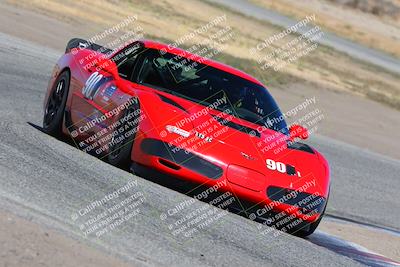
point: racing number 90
(279, 166)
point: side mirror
(109, 66)
(297, 131)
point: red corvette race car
(192, 118)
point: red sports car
(190, 117)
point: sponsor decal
(109, 91)
(202, 136)
(247, 156)
(174, 129)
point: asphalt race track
(47, 180)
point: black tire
(55, 106)
(309, 228)
(120, 152)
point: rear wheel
(122, 140)
(54, 110)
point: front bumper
(263, 200)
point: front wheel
(309, 228)
(54, 110)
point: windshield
(206, 85)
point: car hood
(236, 145)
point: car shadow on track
(37, 127)
(199, 192)
(171, 182)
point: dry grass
(350, 20)
(168, 20)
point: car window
(126, 60)
(207, 85)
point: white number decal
(271, 164)
(88, 90)
(279, 166)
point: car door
(100, 95)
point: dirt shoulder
(24, 243)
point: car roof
(184, 53)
